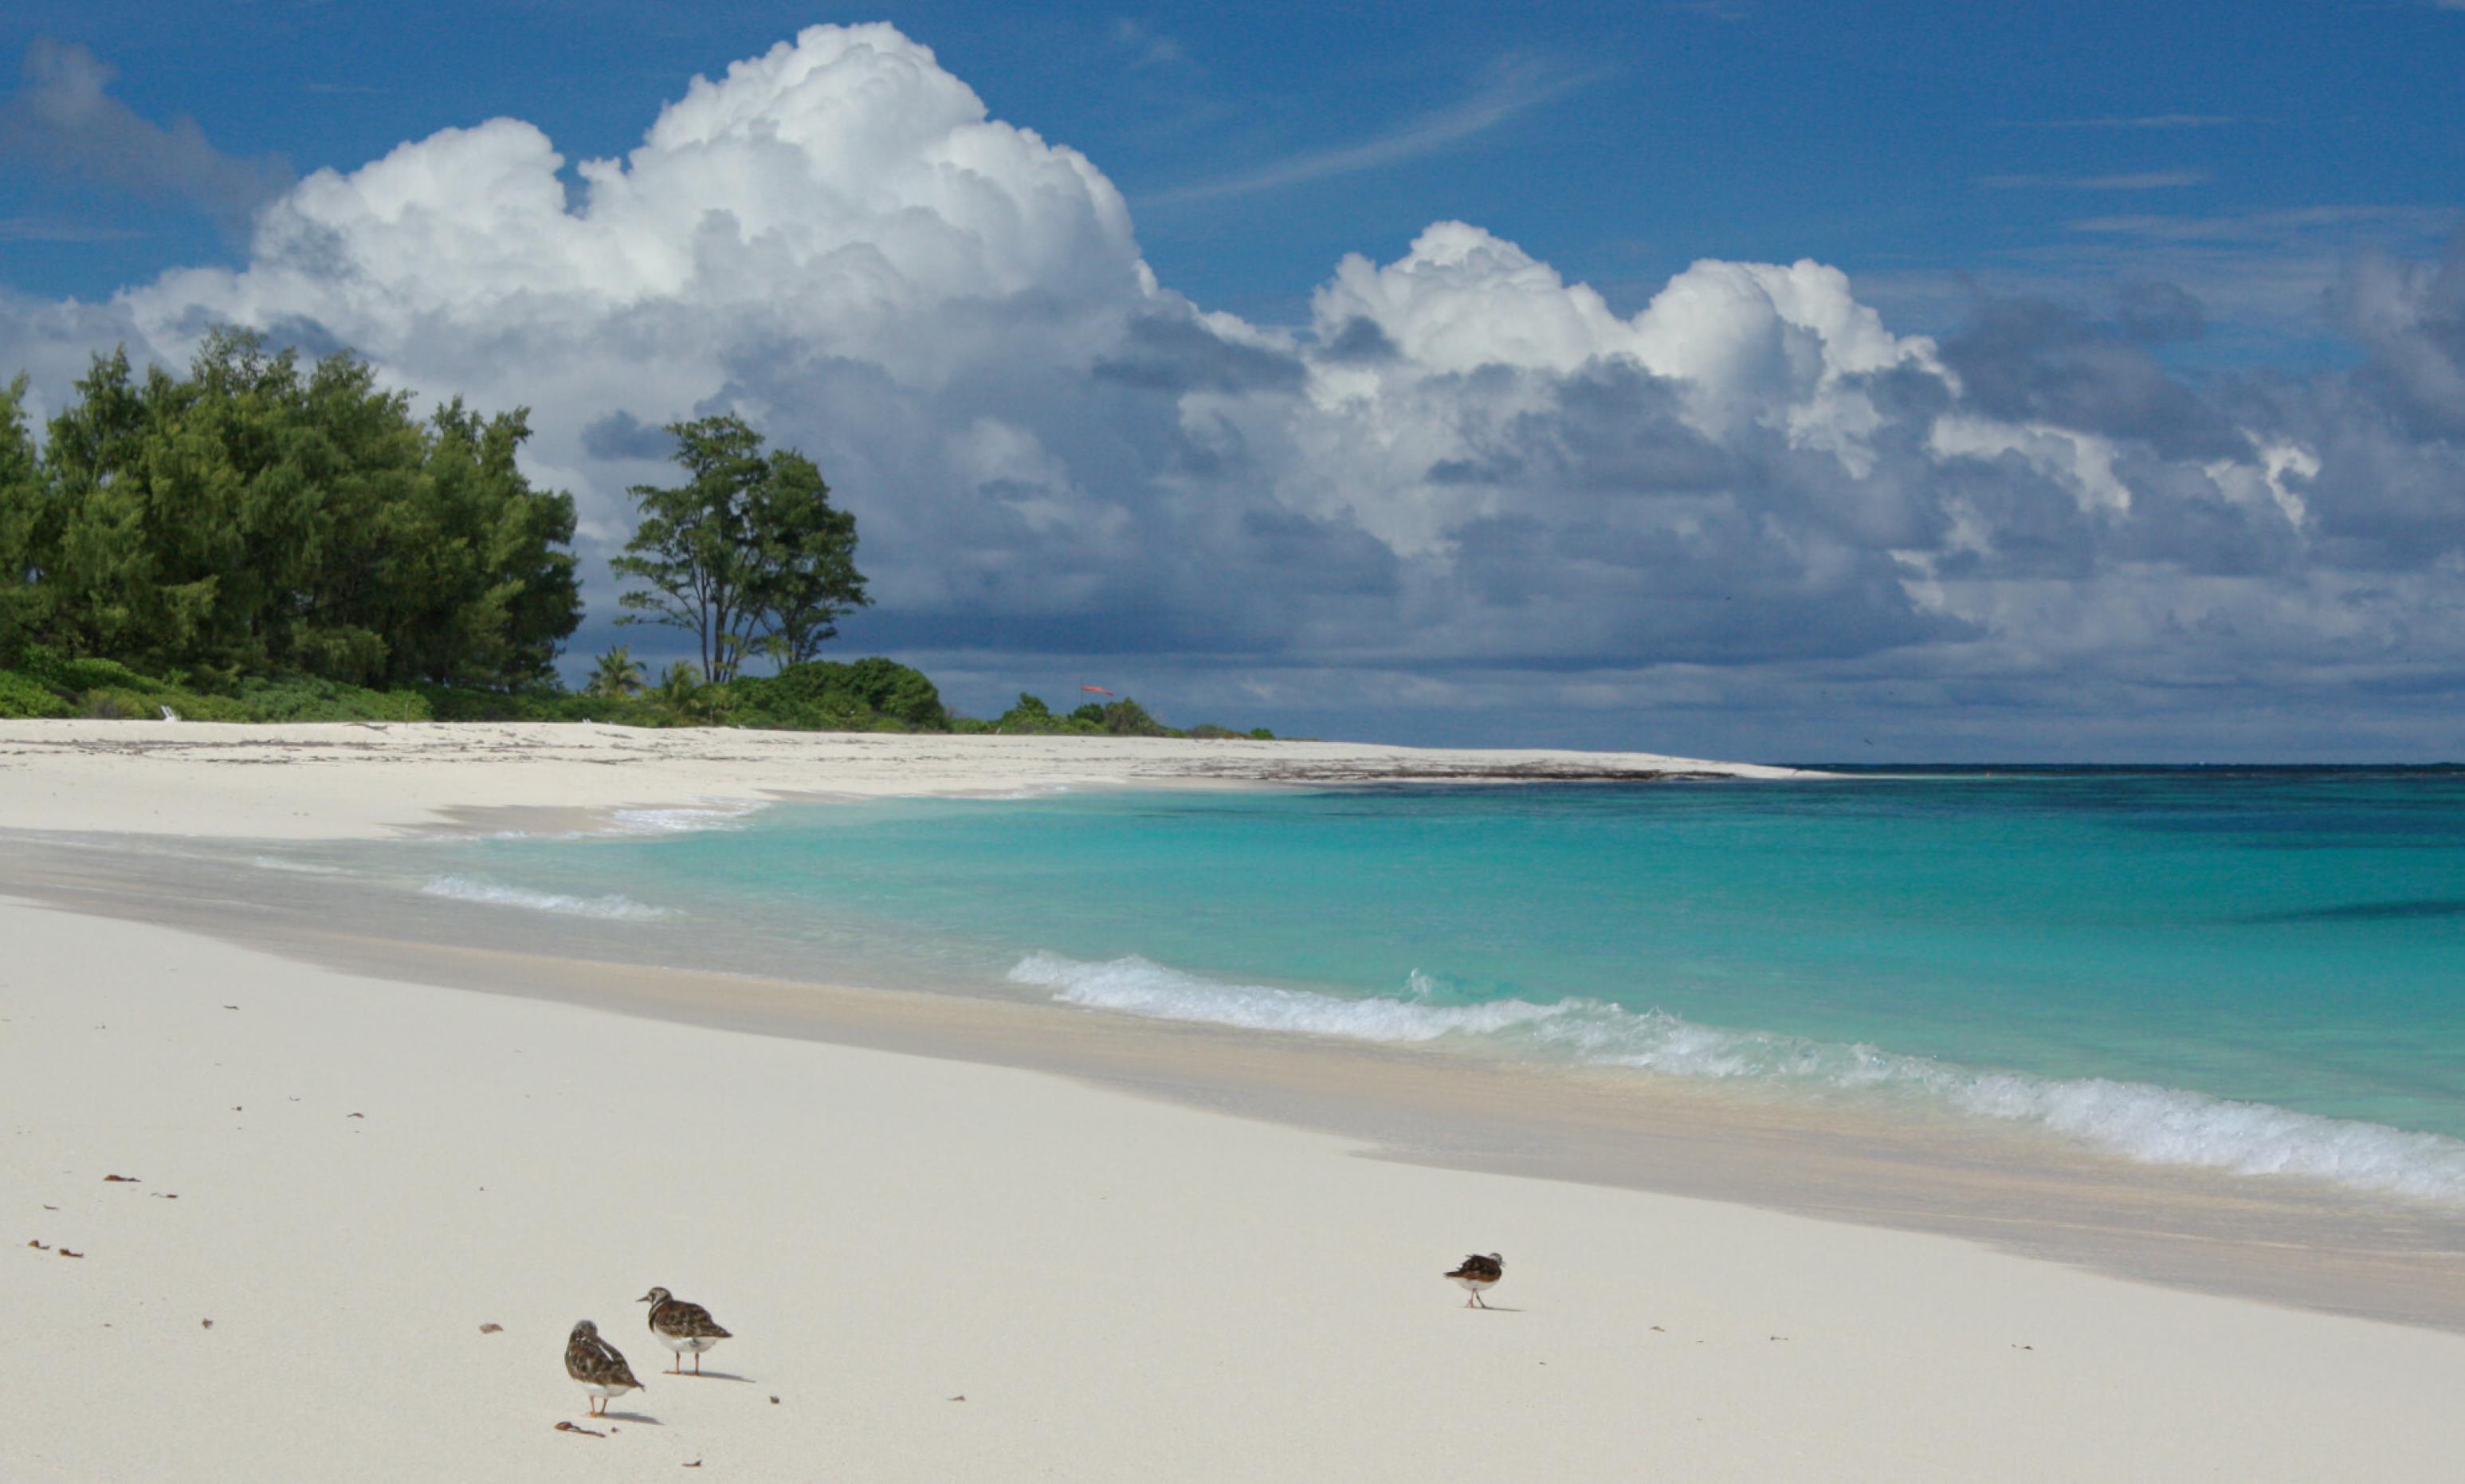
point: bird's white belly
(598, 1389)
(1476, 1285)
(687, 1344)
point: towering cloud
(1464, 483)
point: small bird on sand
(598, 1365)
(687, 1329)
(1476, 1273)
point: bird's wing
(688, 1321)
(613, 1366)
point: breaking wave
(2138, 1121)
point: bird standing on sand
(1476, 1273)
(598, 1365)
(687, 1329)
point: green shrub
(1126, 718)
(23, 696)
(120, 704)
(451, 703)
(194, 707)
(303, 699)
(102, 674)
(826, 696)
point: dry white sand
(1119, 1289)
(353, 779)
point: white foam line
(609, 907)
(296, 867)
(2138, 1121)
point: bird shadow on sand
(1496, 1309)
(705, 1376)
(644, 1419)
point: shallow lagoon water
(2259, 970)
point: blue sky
(2028, 142)
(2166, 204)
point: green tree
(254, 518)
(748, 555)
(615, 674)
(24, 509)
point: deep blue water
(2099, 952)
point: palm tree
(682, 692)
(616, 674)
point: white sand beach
(937, 1269)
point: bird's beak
(644, 1299)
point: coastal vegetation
(263, 540)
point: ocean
(2253, 970)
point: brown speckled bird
(1476, 1273)
(598, 1365)
(687, 1329)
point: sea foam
(610, 907)
(2138, 1121)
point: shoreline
(2286, 1241)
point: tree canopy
(748, 555)
(254, 518)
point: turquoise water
(2258, 970)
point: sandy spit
(344, 779)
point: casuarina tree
(258, 517)
(748, 555)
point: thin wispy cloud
(2145, 180)
(1144, 45)
(2270, 226)
(2153, 120)
(31, 228)
(1513, 88)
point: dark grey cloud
(1175, 353)
(2035, 361)
(1360, 339)
(620, 434)
(2412, 318)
